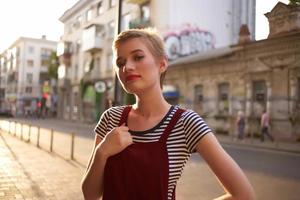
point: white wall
(222, 18)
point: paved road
(274, 175)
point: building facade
(251, 76)
(24, 71)
(86, 71)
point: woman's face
(137, 69)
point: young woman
(140, 150)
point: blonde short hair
(152, 40)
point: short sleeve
(195, 128)
(101, 127)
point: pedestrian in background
(240, 124)
(141, 149)
(265, 126)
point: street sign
(100, 86)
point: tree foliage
(294, 2)
(53, 65)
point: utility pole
(118, 91)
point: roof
(74, 9)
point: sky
(34, 18)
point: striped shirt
(182, 140)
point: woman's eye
(138, 58)
(120, 64)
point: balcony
(139, 23)
(44, 69)
(64, 52)
(92, 38)
(139, 2)
(12, 77)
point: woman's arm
(114, 142)
(225, 168)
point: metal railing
(42, 138)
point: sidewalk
(27, 172)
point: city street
(273, 173)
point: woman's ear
(163, 65)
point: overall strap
(171, 125)
(124, 115)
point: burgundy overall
(140, 171)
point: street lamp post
(118, 92)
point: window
(223, 104)
(89, 15)
(100, 8)
(31, 49)
(112, 3)
(29, 78)
(125, 21)
(259, 91)
(44, 62)
(30, 63)
(223, 91)
(45, 54)
(28, 90)
(198, 93)
(145, 12)
(111, 29)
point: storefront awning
(170, 91)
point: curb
(257, 146)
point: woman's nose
(129, 66)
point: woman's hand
(115, 141)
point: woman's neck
(151, 104)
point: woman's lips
(132, 77)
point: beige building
(251, 76)
(85, 71)
(24, 69)
(85, 74)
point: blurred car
(5, 113)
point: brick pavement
(27, 172)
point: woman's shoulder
(115, 109)
(111, 114)
(188, 114)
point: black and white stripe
(181, 142)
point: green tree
(53, 66)
(294, 2)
